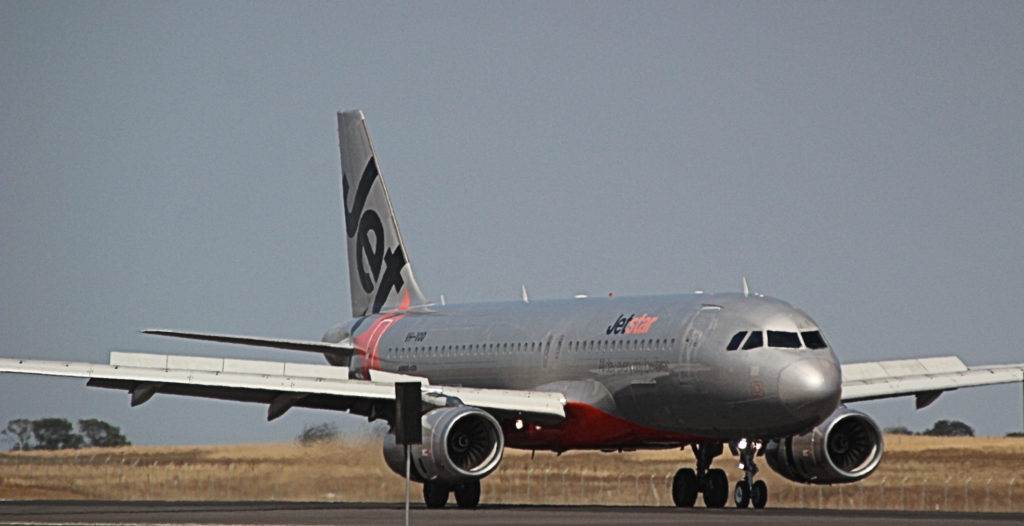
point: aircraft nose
(810, 388)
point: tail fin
(380, 275)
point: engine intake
(459, 443)
(846, 447)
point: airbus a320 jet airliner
(740, 370)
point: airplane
(742, 371)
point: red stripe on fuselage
(586, 427)
(367, 343)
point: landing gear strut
(712, 483)
(748, 491)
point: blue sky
(175, 165)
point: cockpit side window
(736, 340)
(785, 340)
(754, 341)
(814, 340)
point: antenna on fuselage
(746, 289)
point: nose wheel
(746, 494)
(748, 491)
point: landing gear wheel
(748, 491)
(467, 494)
(759, 494)
(716, 489)
(684, 488)
(435, 494)
(741, 496)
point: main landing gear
(713, 483)
(467, 494)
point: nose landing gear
(748, 491)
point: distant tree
(98, 433)
(55, 433)
(1015, 434)
(950, 428)
(19, 433)
(898, 430)
(312, 434)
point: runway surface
(306, 513)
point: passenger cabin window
(736, 340)
(754, 341)
(813, 340)
(785, 340)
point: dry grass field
(933, 473)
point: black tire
(435, 494)
(759, 494)
(467, 494)
(741, 495)
(716, 488)
(684, 488)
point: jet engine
(459, 443)
(846, 447)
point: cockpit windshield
(754, 341)
(785, 340)
(776, 339)
(814, 340)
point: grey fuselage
(657, 364)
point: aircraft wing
(283, 385)
(925, 378)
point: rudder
(380, 275)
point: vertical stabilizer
(380, 275)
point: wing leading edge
(283, 385)
(925, 378)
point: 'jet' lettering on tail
(366, 227)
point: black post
(408, 430)
(407, 413)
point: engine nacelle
(846, 447)
(459, 443)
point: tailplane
(380, 275)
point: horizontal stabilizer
(343, 349)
